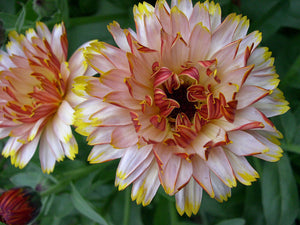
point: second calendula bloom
(36, 106)
(182, 101)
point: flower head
(36, 97)
(19, 206)
(182, 102)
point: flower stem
(126, 207)
(71, 176)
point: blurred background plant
(79, 193)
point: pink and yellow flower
(37, 103)
(183, 101)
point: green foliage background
(79, 193)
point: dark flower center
(187, 107)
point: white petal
(242, 169)
(25, 153)
(119, 36)
(188, 199)
(65, 113)
(47, 158)
(201, 174)
(43, 31)
(124, 136)
(200, 14)
(34, 130)
(131, 160)
(14, 46)
(62, 130)
(274, 153)
(5, 131)
(180, 24)
(54, 142)
(101, 135)
(147, 24)
(70, 148)
(170, 173)
(242, 28)
(112, 115)
(11, 146)
(273, 105)
(162, 11)
(56, 45)
(104, 153)
(186, 6)
(199, 43)
(145, 187)
(218, 162)
(142, 167)
(214, 13)
(222, 192)
(77, 64)
(244, 144)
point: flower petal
(146, 186)
(250, 94)
(214, 14)
(244, 144)
(123, 182)
(104, 153)
(222, 192)
(47, 157)
(24, 154)
(175, 174)
(218, 162)
(243, 171)
(180, 23)
(132, 159)
(273, 105)
(199, 42)
(186, 6)
(188, 199)
(124, 136)
(274, 153)
(11, 146)
(201, 174)
(119, 36)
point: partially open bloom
(19, 206)
(182, 102)
(36, 105)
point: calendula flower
(183, 101)
(37, 103)
(19, 206)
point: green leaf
(84, 207)
(8, 6)
(21, 19)
(279, 193)
(162, 214)
(291, 77)
(253, 212)
(236, 221)
(9, 20)
(291, 148)
(31, 179)
(289, 125)
(63, 10)
(294, 7)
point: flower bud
(19, 206)
(44, 8)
